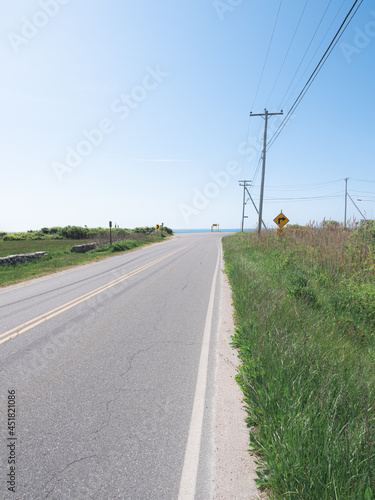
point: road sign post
(281, 220)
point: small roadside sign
(157, 226)
(281, 220)
(214, 225)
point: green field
(29, 246)
(305, 330)
(58, 256)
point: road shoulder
(234, 468)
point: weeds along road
(103, 360)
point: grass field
(305, 316)
(28, 246)
(58, 256)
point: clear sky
(138, 112)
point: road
(112, 367)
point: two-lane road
(110, 363)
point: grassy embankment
(59, 256)
(305, 318)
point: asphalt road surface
(109, 367)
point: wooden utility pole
(346, 199)
(245, 184)
(264, 115)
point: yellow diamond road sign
(281, 220)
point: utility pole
(245, 184)
(346, 199)
(264, 115)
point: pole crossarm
(264, 115)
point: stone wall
(21, 258)
(84, 248)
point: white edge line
(191, 460)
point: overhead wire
(265, 62)
(256, 172)
(317, 69)
(287, 52)
(316, 51)
(303, 198)
(247, 139)
(304, 55)
(361, 180)
(303, 187)
(262, 72)
(268, 51)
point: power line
(313, 57)
(287, 52)
(268, 51)
(303, 198)
(257, 168)
(363, 180)
(247, 139)
(316, 71)
(306, 51)
(362, 193)
(302, 187)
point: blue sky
(138, 112)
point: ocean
(209, 230)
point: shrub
(15, 237)
(74, 232)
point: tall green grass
(305, 316)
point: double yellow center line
(24, 327)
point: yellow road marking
(24, 327)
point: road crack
(118, 392)
(63, 470)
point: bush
(74, 232)
(15, 237)
(143, 230)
